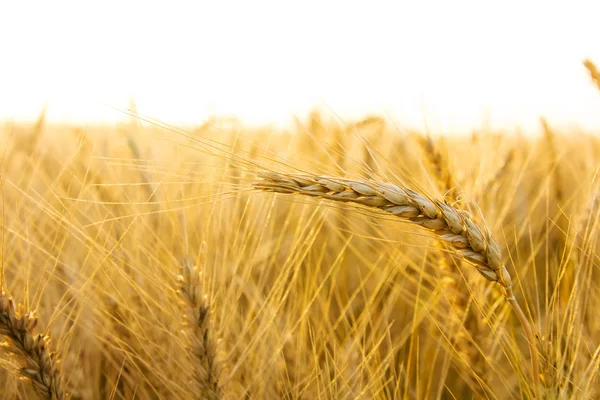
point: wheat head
(456, 228)
(203, 347)
(41, 366)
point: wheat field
(335, 260)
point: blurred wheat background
(158, 271)
(426, 228)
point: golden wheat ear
(460, 233)
(456, 228)
(202, 343)
(41, 365)
(593, 71)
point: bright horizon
(454, 65)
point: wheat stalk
(456, 228)
(41, 365)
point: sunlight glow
(453, 64)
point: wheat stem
(535, 358)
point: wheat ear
(593, 71)
(456, 228)
(201, 335)
(438, 165)
(41, 365)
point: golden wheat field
(336, 260)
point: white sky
(454, 63)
